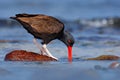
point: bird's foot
(44, 52)
(53, 57)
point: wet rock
(114, 65)
(22, 55)
(105, 57)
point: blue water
(91, 41)
(67, 9)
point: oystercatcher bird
(46, 28)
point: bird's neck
(62, 37)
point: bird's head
(68, 39)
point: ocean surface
(95, 25)
(66, 9)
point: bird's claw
(53, 57)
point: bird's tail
(19, 15)
(26, 15)
(12, 17)
(22, 15)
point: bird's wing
(43, 24)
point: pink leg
(47, 51)
(43, 49)
(38, 46)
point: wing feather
(43, 24)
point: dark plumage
(40, 26)
(45, 27)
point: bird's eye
(69, 41)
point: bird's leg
(38, 46)
(47, 51)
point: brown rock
(105, 57)
(22, 55)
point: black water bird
(46, 28)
